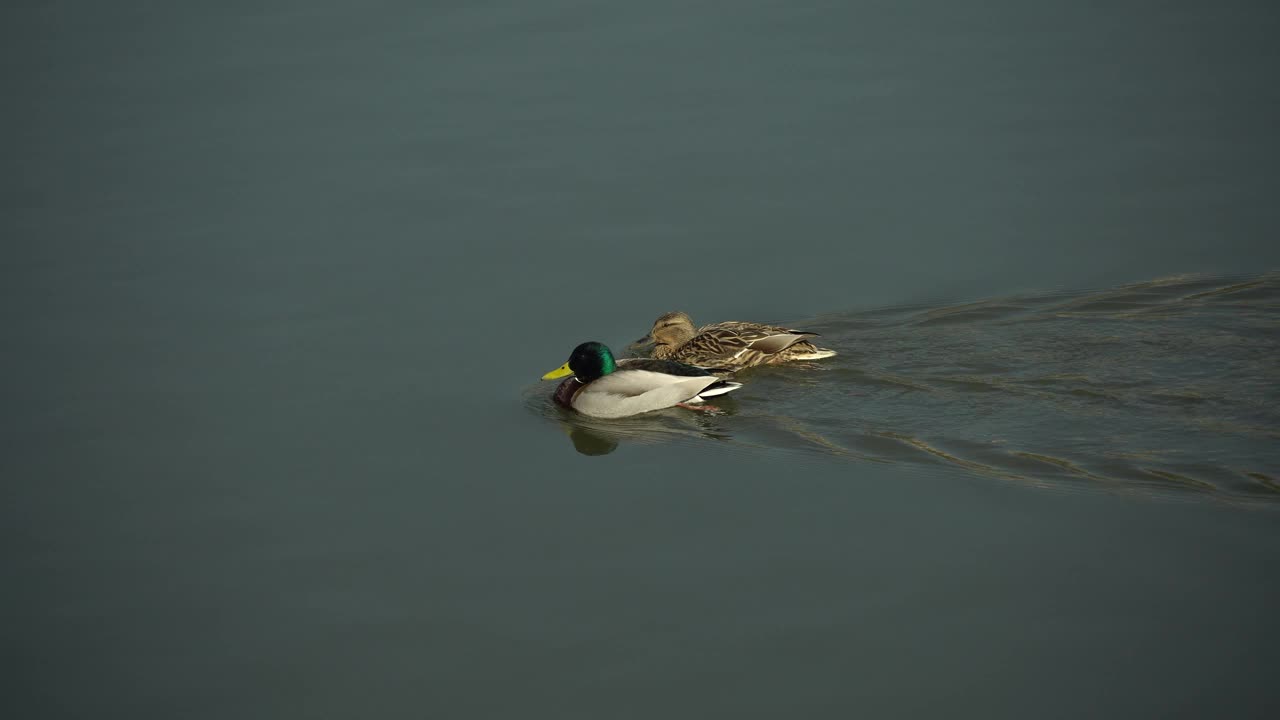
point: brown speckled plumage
(730, 346)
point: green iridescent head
(589, 361)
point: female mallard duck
(606, 388)
(728, 346)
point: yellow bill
(559, 372)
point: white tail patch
(817, 355)
(719, 390)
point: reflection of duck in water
(603, 387)
(590, 442)
(728, 346)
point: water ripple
(1163, 387)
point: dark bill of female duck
(601, 386)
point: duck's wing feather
(629, 391)
(667, 367)
(732, 337)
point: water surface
(1158, 387)
(278, 278)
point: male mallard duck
(728, 346)
(606, 388)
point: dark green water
(279, 280)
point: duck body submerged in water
(598, 385)
(728, 346)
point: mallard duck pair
(682, 370)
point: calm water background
(279, 278)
